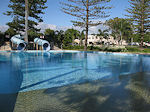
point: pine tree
(17, 12)
(140, 15)
(87, 12)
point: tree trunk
(120, 38)
(87, 25)
(26, 21)
(142, 24)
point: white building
(97, 40)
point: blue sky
(54, 16)
(55, 19)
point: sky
(56, 19)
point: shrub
(70, 47)
(114, 49)
(96, 48)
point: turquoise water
(27, 71)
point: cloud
(92, 30)
(3, 28)
(44, 26)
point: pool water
(27, 71)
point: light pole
(26, 20)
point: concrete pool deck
(72, 51)
(127, 93)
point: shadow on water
(131, 93)
(10, 81)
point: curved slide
(21, 44)
(45, 44)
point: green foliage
(139, 13)
(132, 49)
(146, 50)
(114, 49)
(136, 37)
(70, 35)
(86, 11)
(120, 28)
(59, 38)
(11, 32)
(18, 13)
(95, 48)
(33, 34)
(70, 47)
(50, 35)
(81, 37)
(147, 37)
(78, 8)
(103, 33)
(2, 38)
(137, 49)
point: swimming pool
(27, 71)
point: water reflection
(33, 71)
(10, 80)
(34, 68)
(43, 69)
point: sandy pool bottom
(127, 93)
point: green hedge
(73, 47)
(95, 48)
(135, 49)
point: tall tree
(103, 33)
(50, 35)
(26, 20)
(35, 9)
(59, 35)
(88, 13)
(139, 13)
(2, 38)
(10, 32)
(70, 35)
(81, 37)
(121, 28)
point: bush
(96, 48)
(114, 49)
(70, 47)
(2, 39)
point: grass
(136, 49)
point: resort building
(97, 40)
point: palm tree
(81, 37)
(121, 28)
(59, 37)
(103, 33)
